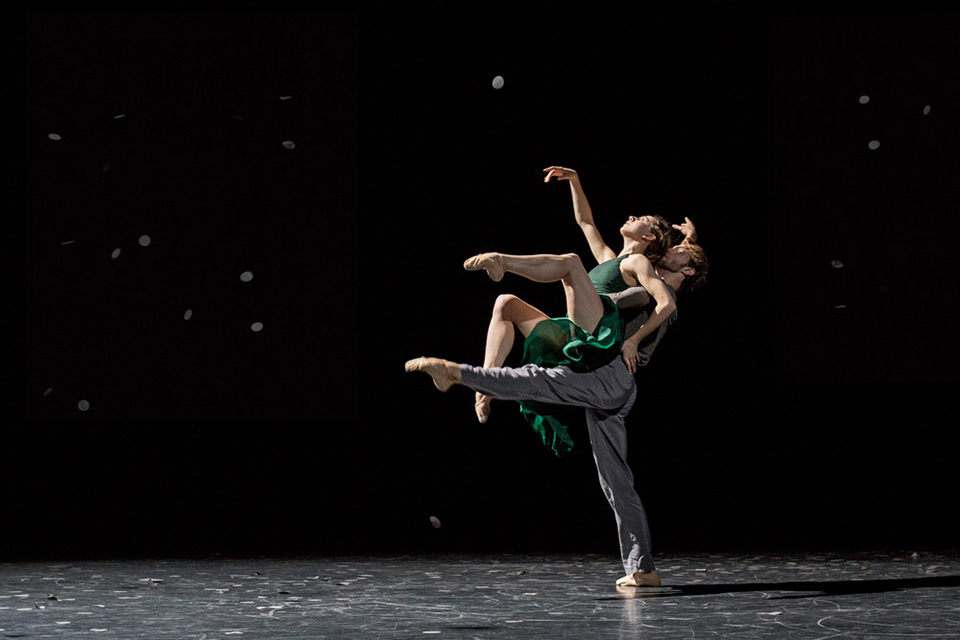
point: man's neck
(672, 278)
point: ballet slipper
(482, 407)
(445, 374)
(489, 262)
(640, 579)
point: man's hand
(687, 229)
(560, 173)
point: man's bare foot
(489, 262)
(445, 374)
(640, 579)
(482, 407)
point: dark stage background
(795, 405)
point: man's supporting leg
(608, 437)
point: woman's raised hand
(560, 173)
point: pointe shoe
(443, 372)
(489, 262)
(640, 579)
(482, 407)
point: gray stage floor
(557, 597)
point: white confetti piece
(119, 116)
(864, 99)
(144, 240)
(48, 392)
(836, 264)
(256, 326)
(115, 254)
(285, 97)
(83, 405)
(873, 145)
(926, 110)
(54, 136)
(66, 242)
(188, 314)
(289, 144)
(498, 82)
(246, 276)
(435, 521)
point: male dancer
(608, 394)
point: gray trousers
(607, 395)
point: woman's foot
(482, 407)
(489, 262)
(445, 374)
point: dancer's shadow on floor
(798, 589)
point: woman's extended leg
(584, 307)
(508, 311)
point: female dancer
(647, 236)
(591, 334)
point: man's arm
(631, 298)
(582, 212)
(688, 230)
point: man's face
(674, 259)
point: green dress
(560, 342)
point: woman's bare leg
(509, 311)
(584, 307)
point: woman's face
(634, 228)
